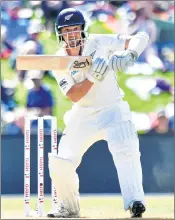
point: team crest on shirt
(63, 82)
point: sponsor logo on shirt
(63, 83)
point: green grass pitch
(94, 206)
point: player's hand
(98, 71)
(121, 60)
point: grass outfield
(95, 206)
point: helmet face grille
(70, 39)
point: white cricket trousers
(113, 124)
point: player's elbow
(144, 35)
(73, 98)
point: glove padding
(98, 71)
(121, 60)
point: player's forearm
(79, 90)
(137, 43)
(121, 60)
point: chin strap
(80, 51)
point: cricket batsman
(98, 113)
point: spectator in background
(31, 44)
(7, 98)
(29, 47)
(162, 10)
(14, 122)
(39, 100)
(51, 10)
(34, 29)
(10, 18)
(161, 125)
(6, 47)
(169, 109)
(150, 55)
(39, 97)
(118, 3)
(140, 20)
(171, 123)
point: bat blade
(53, 62)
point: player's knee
(130, 148)
(60, 167)
(123, 138)
(75, 159)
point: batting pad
(63, 175)
(124, 146)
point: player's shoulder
(103, 38)
(96, 37)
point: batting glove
(98, 70)
(120, 61)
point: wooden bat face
(52, 62)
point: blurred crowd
(23, 21)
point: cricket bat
(53, 62)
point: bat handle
(110, 63)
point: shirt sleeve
(112, 41)
(65, 83)
(118, 42)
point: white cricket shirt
(101, 94)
